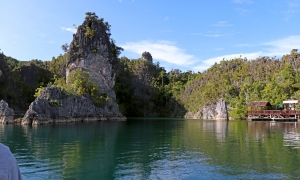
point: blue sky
(182, 34)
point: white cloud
(209, 62)
(166, 18)
(221, 24)
(272, 48)
(120, 0)
(168, 52)
(196, 34)
(242, 11)
(282, 46)
(161, 50)
(214, 35)
(73, 30)
(245, 45)
(242, 1)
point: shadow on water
(156, 148)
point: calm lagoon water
(156, 149)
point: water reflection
(156, 149)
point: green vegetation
(148, 88)
(81, 84)
(89, 32)
(239, 81)
(55, 102)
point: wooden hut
(259, 105)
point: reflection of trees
(143, 144)
(142, 148)
(247, 146)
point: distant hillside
(240, 81)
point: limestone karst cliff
(93, 51)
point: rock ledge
(56, 106)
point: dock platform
(274, 115)
(275, 119)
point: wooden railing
(265, 113)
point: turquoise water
(156, 149)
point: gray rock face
(91, 50)
(6, 113)
(55, 106)
(147, 56)
(221, 109)
(213, 111)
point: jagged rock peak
(93, 49)
(93, 36)
(147, 56)
(95, 52)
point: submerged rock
(56, 106)
(214, 111)
(6, 113)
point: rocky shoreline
(56, 106)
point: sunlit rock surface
(214, 111)
(6, 113)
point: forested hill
(240, 81)
(144, 88)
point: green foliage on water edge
(81, 84)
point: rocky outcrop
(221, 109)
(6, 113)
(147, 56)
(56, 106)
(214, 111)
(93, 51)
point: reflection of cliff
(218, 127)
